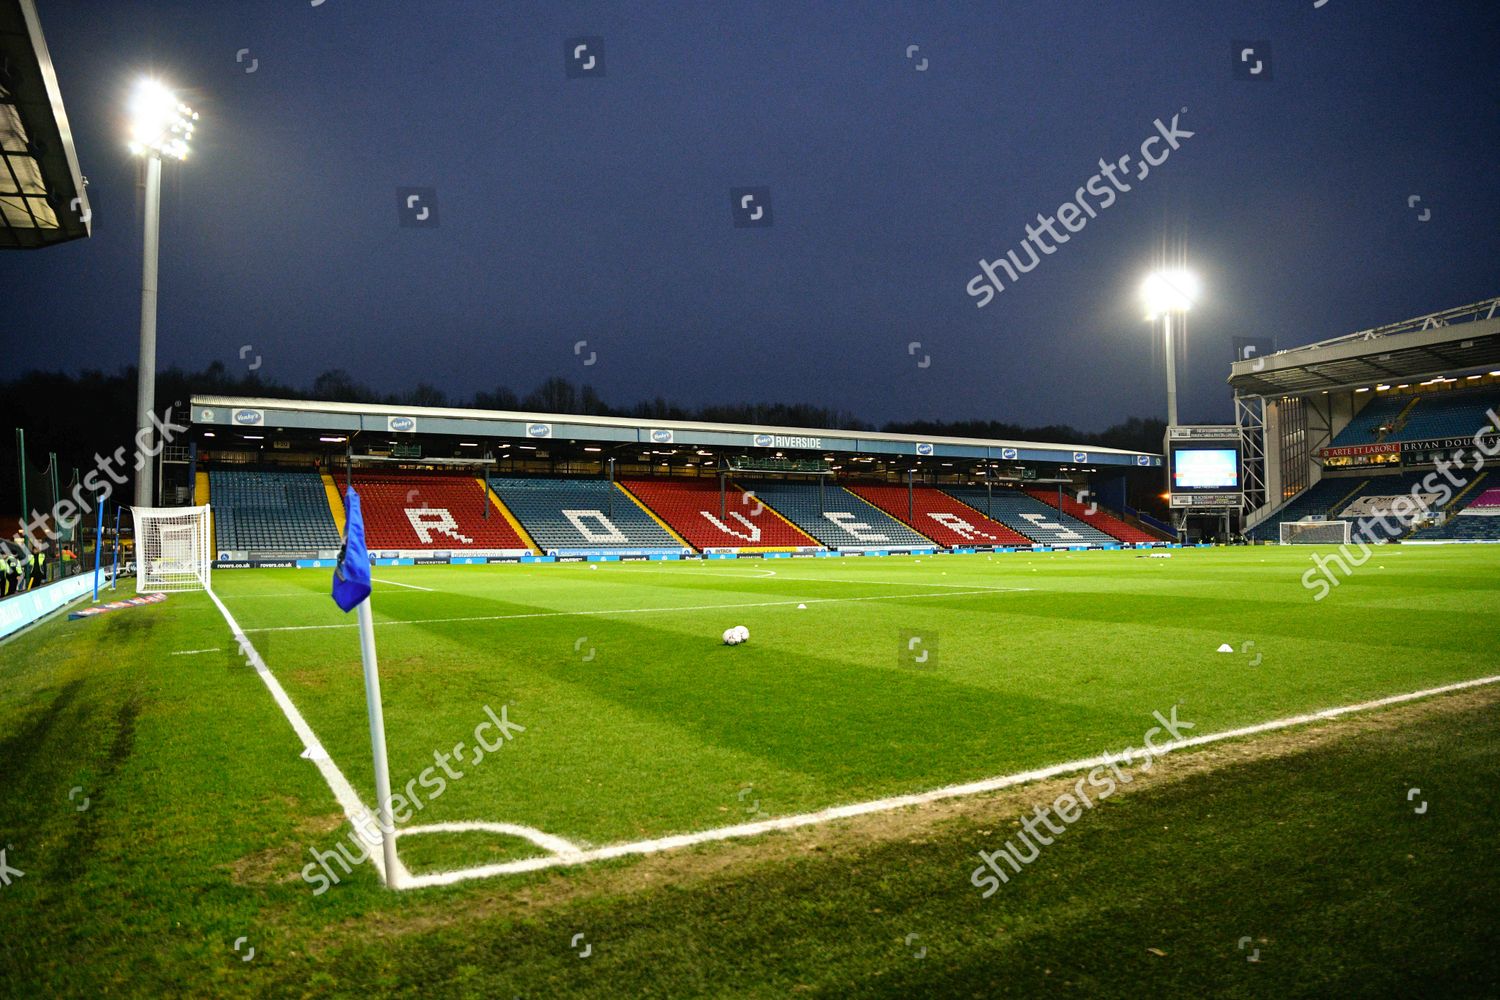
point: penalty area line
(566, 858)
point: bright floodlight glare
(160, 124)
(1169, 291)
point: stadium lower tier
(1042, 524)
(577, 515)
(432, 512)
(282, 511)
(834, 516)
(1097, 517)
(1385, 508)
(938, 516)
(707, 519)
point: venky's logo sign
(400, 424)
(249, 418)
(661, 436)
(539, 430)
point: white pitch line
(660, 844)
(344, 792)
(192, 652)
(393, 583)
(644, 611)
(546, 841)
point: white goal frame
(174, 548)
(1315, 532)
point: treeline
(79, 415)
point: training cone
(1226, 648)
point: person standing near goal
(10, 567)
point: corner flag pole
(351, 592)
(98, 546)
(377, 738)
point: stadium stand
(1042, 524)
(1478, 520)
(582, 515)
(1452, 413)
(283, 511)
(431, 512)
(1350, 499)
(1319, 498)
(834, 516)
(1370, 424)
(1456, 413)
(939, 516)
(1098, 518)
(691, 507)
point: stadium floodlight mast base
(159, 125)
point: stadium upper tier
(1421, 417)
(270, 511)
(834, 516)
(1027, 515)
(421, 512)
(939, 516)
(695, 509)
(576, 515)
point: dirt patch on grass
(527, 895)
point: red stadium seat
(1099, 519)
(405, 511)
(940, 517)
(691, 507)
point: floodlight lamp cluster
(1170, 291)
(160, 124)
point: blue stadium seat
(283, 511)
(834, 516)
(582, 515)
(1040, 522)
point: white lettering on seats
(605, 532)
(957, 524)
(754, 530)
(844, 519)
(1040, 520)
(426, 520)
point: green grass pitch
(639, 722)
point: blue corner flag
(351, 580)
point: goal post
(174, 548)
(1319, 532)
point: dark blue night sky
(598, 207)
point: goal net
(174, 548)
(1315, 532)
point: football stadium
(343, 692)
